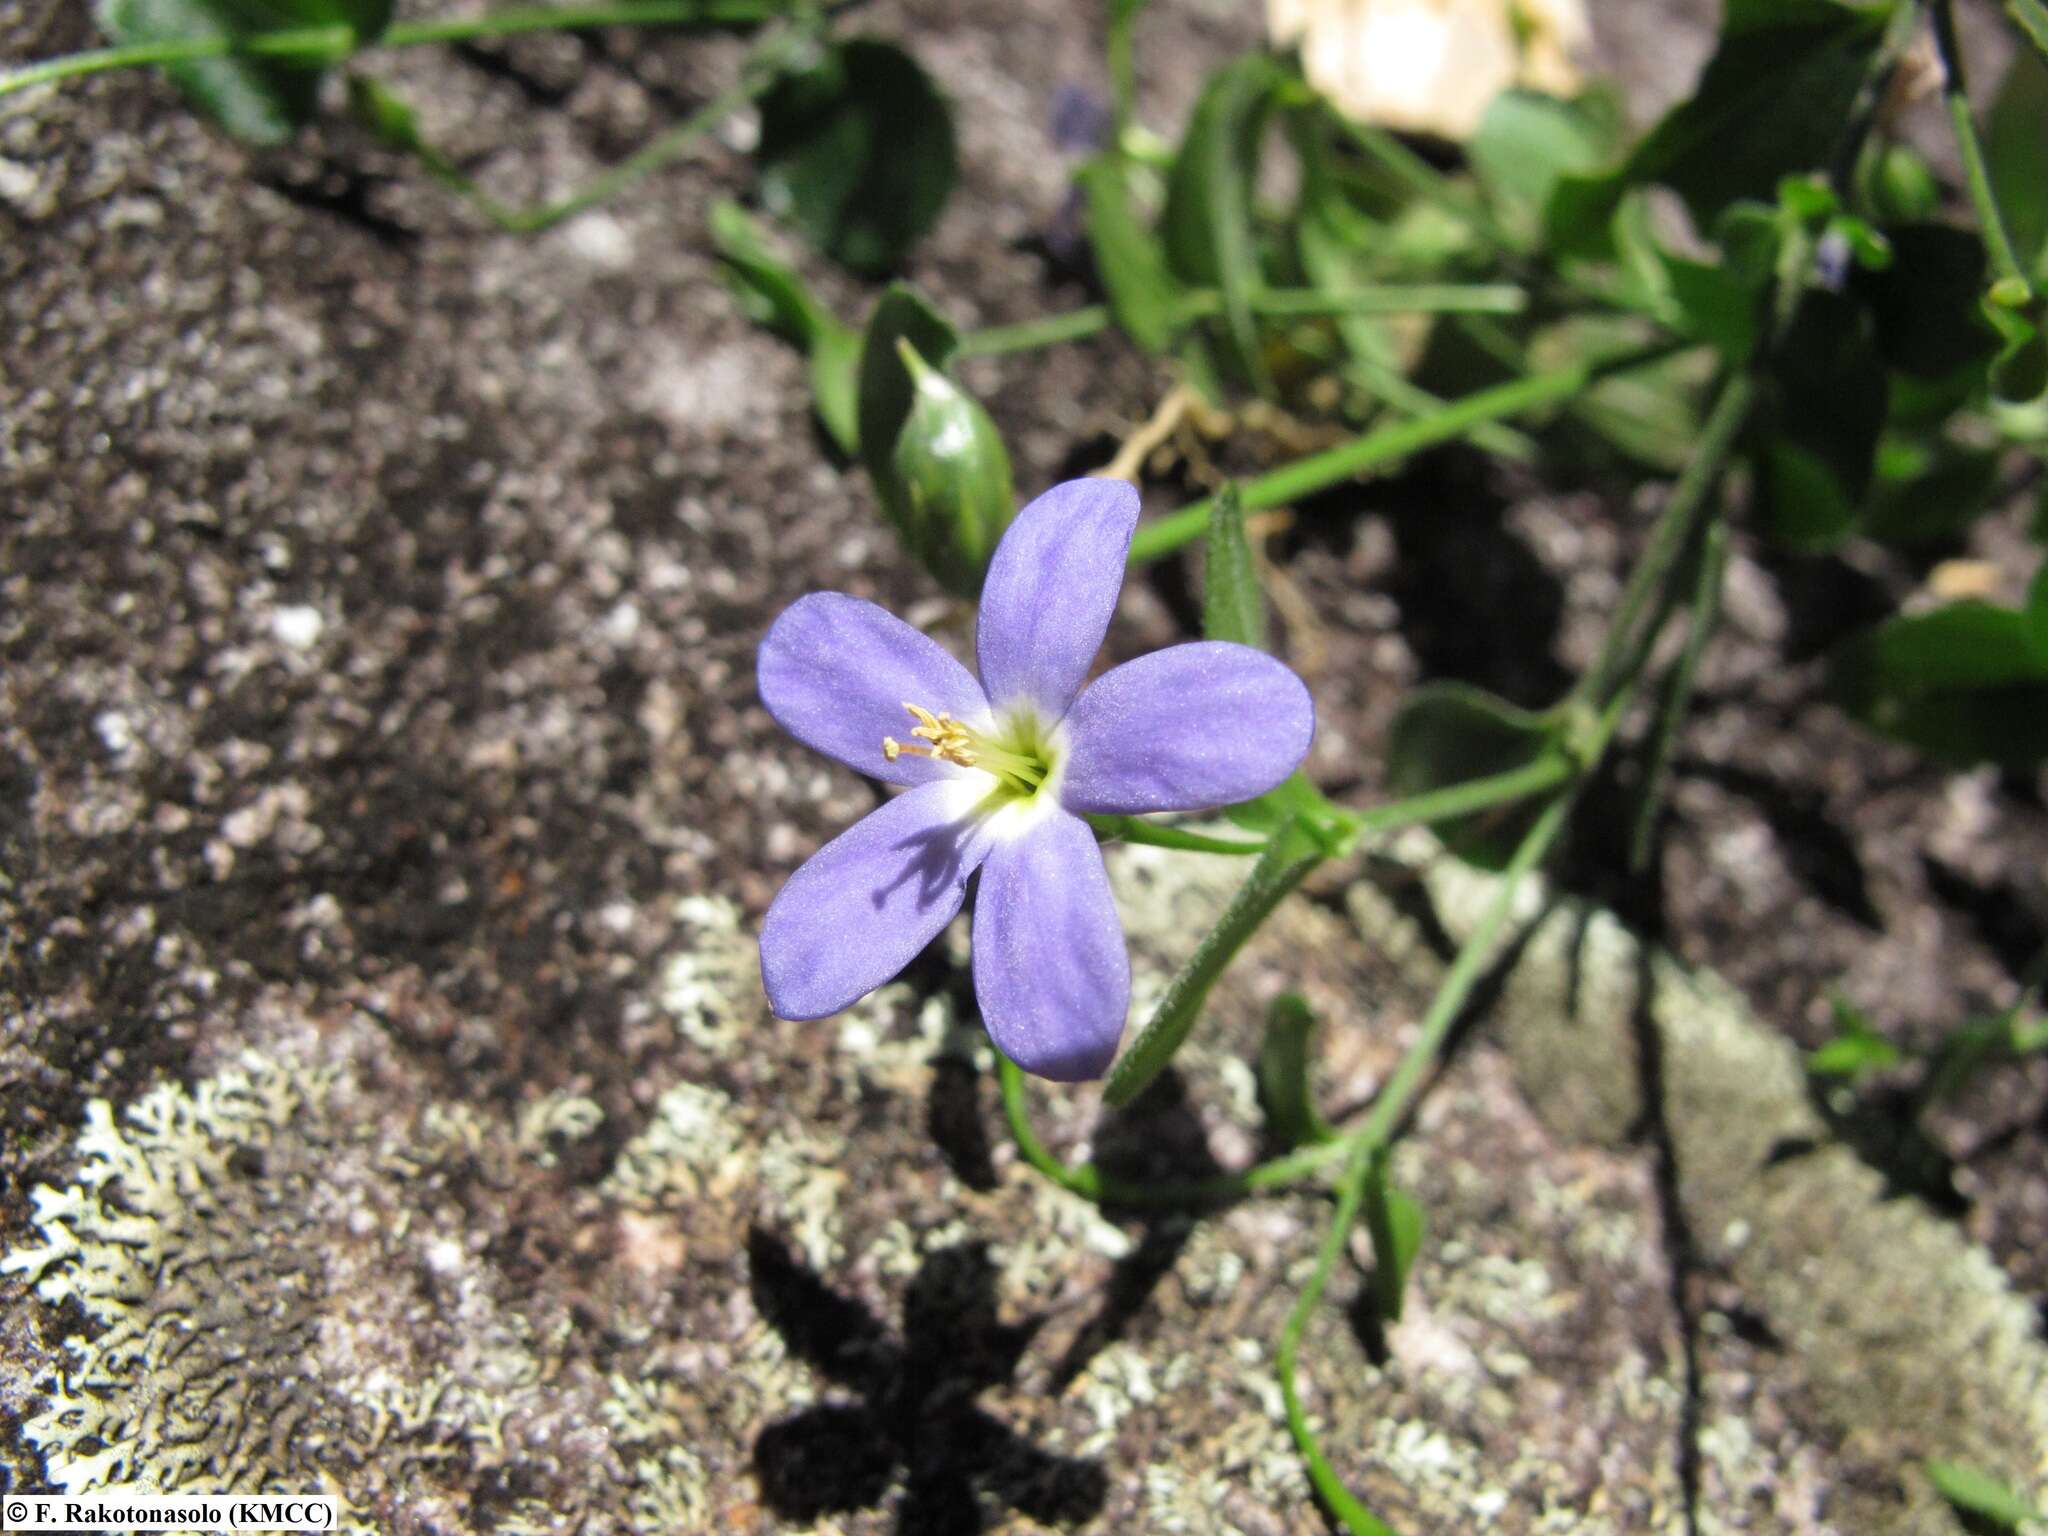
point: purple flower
(1000, 773)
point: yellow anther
(950, 741)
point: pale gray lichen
(263, 1311)
(712, 986)
(202, 1282)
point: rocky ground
(388, 1100)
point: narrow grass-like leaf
(1289, 856)
(1979, 1493)
(1285, 1096)
(1143, 294)
(1396, 1223)
(774, 296)
(2031, 17)
(1233, 606)
(1208, 221)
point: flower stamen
(947, 740)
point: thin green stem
(1329, 1487)
(331, 43)
(1088, 1180)
(1455, 800)
(1028, 335)
(1400, 392)
(1133, 829)
(626, 13)
(1385, 445)
(1423, 180)
(1706, 612)
(296, 43)
(1206, 303)
(2005, 259)
(1123, 68)
(758, 73)
(1628, 638)
(1473, 956)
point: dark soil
(378, 601)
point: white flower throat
(1019, 753)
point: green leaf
(1857, 1048)
(1142, 292)
(1823, 411)
(1450, 733)
(1234, 609)
(1650, 412)
(1396, 1223)
(1527, 141)
(2031, 17)
(2037, 614)
(1285, 1097)
(857, 151)
(1291, 853)
(953, 473)
(1207, 225)
(775, 297)
(1714, 305)
(1770, 104)
(1233, 606)
(2019, 374)
(1929, 487)
(1926, 306)
(257, 100)
(1972, 1492)
(1964, 683)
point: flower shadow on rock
(914, 1416)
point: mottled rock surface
(386, 1097)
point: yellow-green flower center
(1018, 753)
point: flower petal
(1050, 969)
(1186, 728)
(862, 906)
(835, 672)
(1050, 591)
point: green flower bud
(1902, 188)
(952, 497)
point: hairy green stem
(1290, 855)
(2005, 259)
(1385, 445)
(330, 43)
